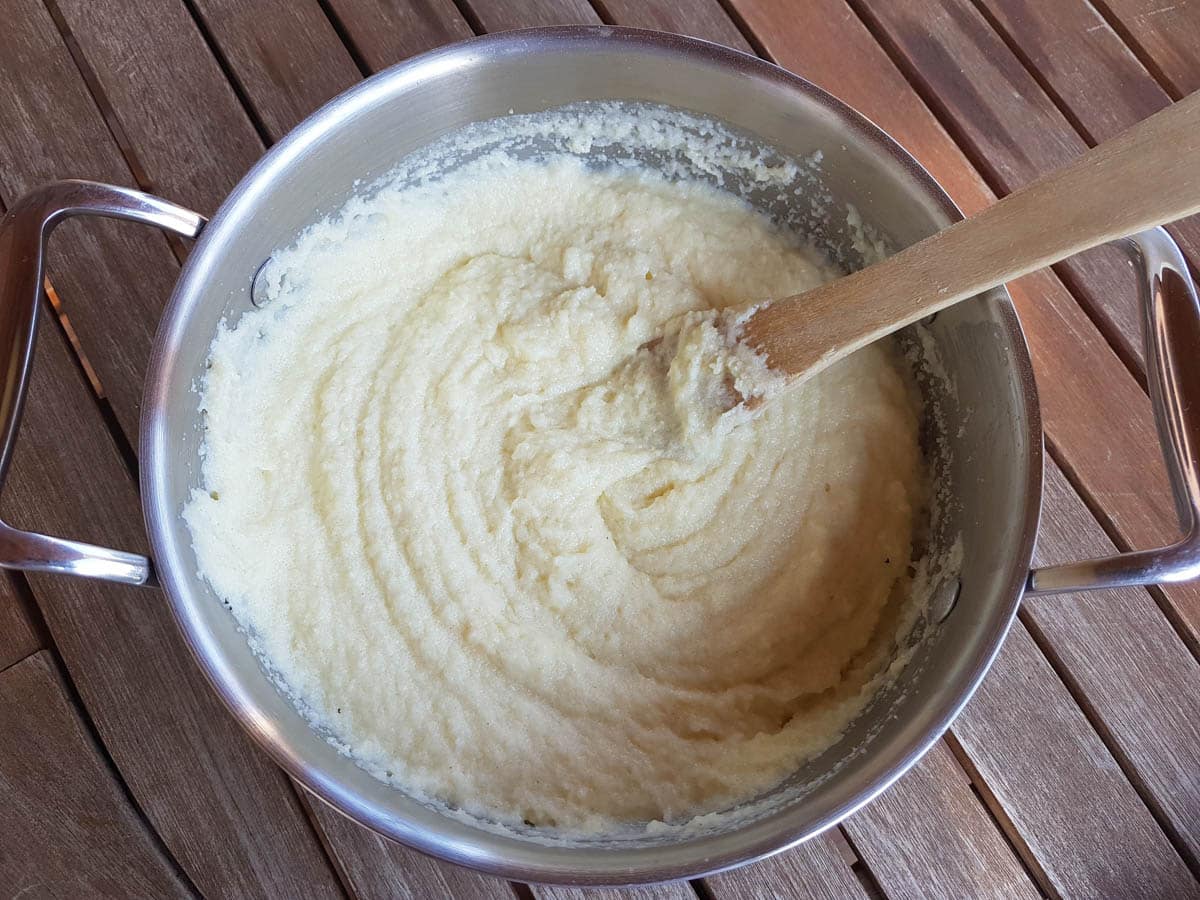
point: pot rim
(583, 865)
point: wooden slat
(66, 828)
(375, 867)
(19, 636)
(673, 891)
(1084, 827)
(1137, 678)
(384, 32)
(283, 54)
(952, 850)
(1081, 382)
(227, 815)
(1010, 127)
(505, 15)
(126, 272)
(1083, 61)
(163, 138)
(813, 871)
(829, 46)
(1014, 130)
(705, 19)
(1090, 73)
(1164, 34)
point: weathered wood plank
(1080, 380)
(1013, 129)
(19, 636)
(1164, 34)
(1119, 654)
(1090, 73)
(284, 55)
(505, 15)
(813, 871)
(674, 891)
(1084, 826)
(705, 19)
(66, 828)
(384, 32)
(224, 811)
(952, 850)
(127, 273)
(167, 127)
(375, 867)
(1083, 61)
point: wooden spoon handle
(1145, 176)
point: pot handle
(24, 232)
(1171, 332)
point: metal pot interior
(988, 465)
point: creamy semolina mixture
(516, 564)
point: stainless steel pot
(994, 464)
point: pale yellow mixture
(504, 559)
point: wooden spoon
(1146, 176)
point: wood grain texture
(1077, 55)
(1084, 826)
(1081, 381)
(66, 828)
(704, 19)
(1014, 130)
(1008, 126)
(167, 112)
(374, 867)
(115, 278)
(19, 635)
(384, 32)
(828, 45)
(226, 814)
(1089, 73)
(1137, 678)
(813, 871)
(283, 54)
(928, 836)
(673, 891)
(1163, 32)
(505, 15)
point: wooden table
(1075, 771)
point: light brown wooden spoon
(1146, 176)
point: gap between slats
(23, 594)
(1064, 108)
(1129, 39)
